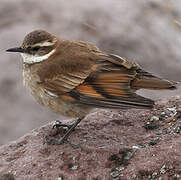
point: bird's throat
(30, 59)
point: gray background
(146, 31)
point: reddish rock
(113, 145)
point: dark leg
(67, 134)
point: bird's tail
(145, 80)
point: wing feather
(106, 85)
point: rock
(101, 156)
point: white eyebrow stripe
(44, 44)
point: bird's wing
(110, 85)
(106, 84)
(62, 83)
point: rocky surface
(113, 145)
(145, 31)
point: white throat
(30, 59)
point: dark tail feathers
(146, 80)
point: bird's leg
(52, 140)
(57, 124)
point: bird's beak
(16, 49)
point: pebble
(154, 174)
(114, 174)
(74, 167)
(159, 132)
(162, 114)
(59, 178)
(154, 118)
(84, 140)
(120, 168)
(176, 175)
(173, 109)
(170, 167)
(128, 155)
(178, 113)
(154, 141)
(150, 126)
(169, 124)
(136, 147)
(178, 129)
(133, 176)
(163, 170)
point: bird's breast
(30, 81)
(50, 100)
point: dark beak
(16, 49)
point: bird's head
(36, 47)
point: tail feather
(146, 80)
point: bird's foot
(55, 141)
(51, 140)
(57, 124)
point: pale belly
(52, 101)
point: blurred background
(148, 32)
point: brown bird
(74, 77)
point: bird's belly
(52, 101)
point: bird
(72, 78)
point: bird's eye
(36, 48)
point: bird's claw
(54, 141)
(57, 124)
